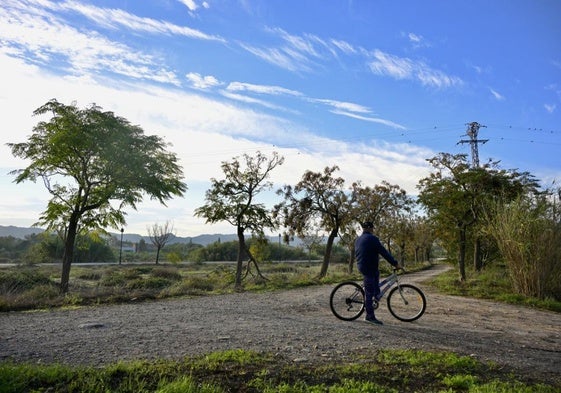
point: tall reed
(530, 242)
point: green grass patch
(240, 370)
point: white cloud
(405, 68)
(344, 47)
(111, 18)
(262, 89)
(339, 105)
(370, 119)
(202, 82)
(41, 37)
(252, 100)
(550, 108)
(415, 38)
(496, 95)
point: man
(367, 251)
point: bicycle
(405, 302)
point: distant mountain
(204, 240)
(18, 232)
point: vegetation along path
(295, 324)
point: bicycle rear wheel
(407, 302)
(347, 301)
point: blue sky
(375, 87)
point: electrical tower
(473, 129)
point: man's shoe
(373, 320)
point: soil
(295, 324)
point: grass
(36, 287)
(245, 371)
(491, 283)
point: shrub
(149, 283)
(531, 244)
(21, 280)
(169, 273)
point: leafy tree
(260, 249)
(388, 206)
(89, 159)
(455, 196)
(159, 236)
(233, 200)
(318, 197)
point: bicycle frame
(384, 285)
(388, 283)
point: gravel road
(295, 324)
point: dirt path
(296, 324)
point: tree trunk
(158, 254)
(239, 265)
(351, 257)
(68, 252)
(462, 253)
(477, 257)
(327, 255)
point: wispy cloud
(342, 106)
(497, 95)
(344, 47)
(278, 57)
(112, 18)
(33, 32)
(550, 108)
(262, 89)
(405, 68)
(417, 40)
(193, 6)
(251, 100)
(200, 82)
(378, 120)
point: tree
(455, 195)
(233, 200)
(387, 206)
(90, 160)
(317, 197)
(159, 236)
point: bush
(530, 242)
(169, 273)
(149, 283)
(21, 280)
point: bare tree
(160, 235)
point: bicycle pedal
(375, 304)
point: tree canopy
(318, 197)
(94, 164)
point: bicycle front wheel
(407, 302)
(347, 301)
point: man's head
(367, 226)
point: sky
(374, 87)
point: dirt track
(295, 324)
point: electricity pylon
(473, 129)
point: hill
(204, 239)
